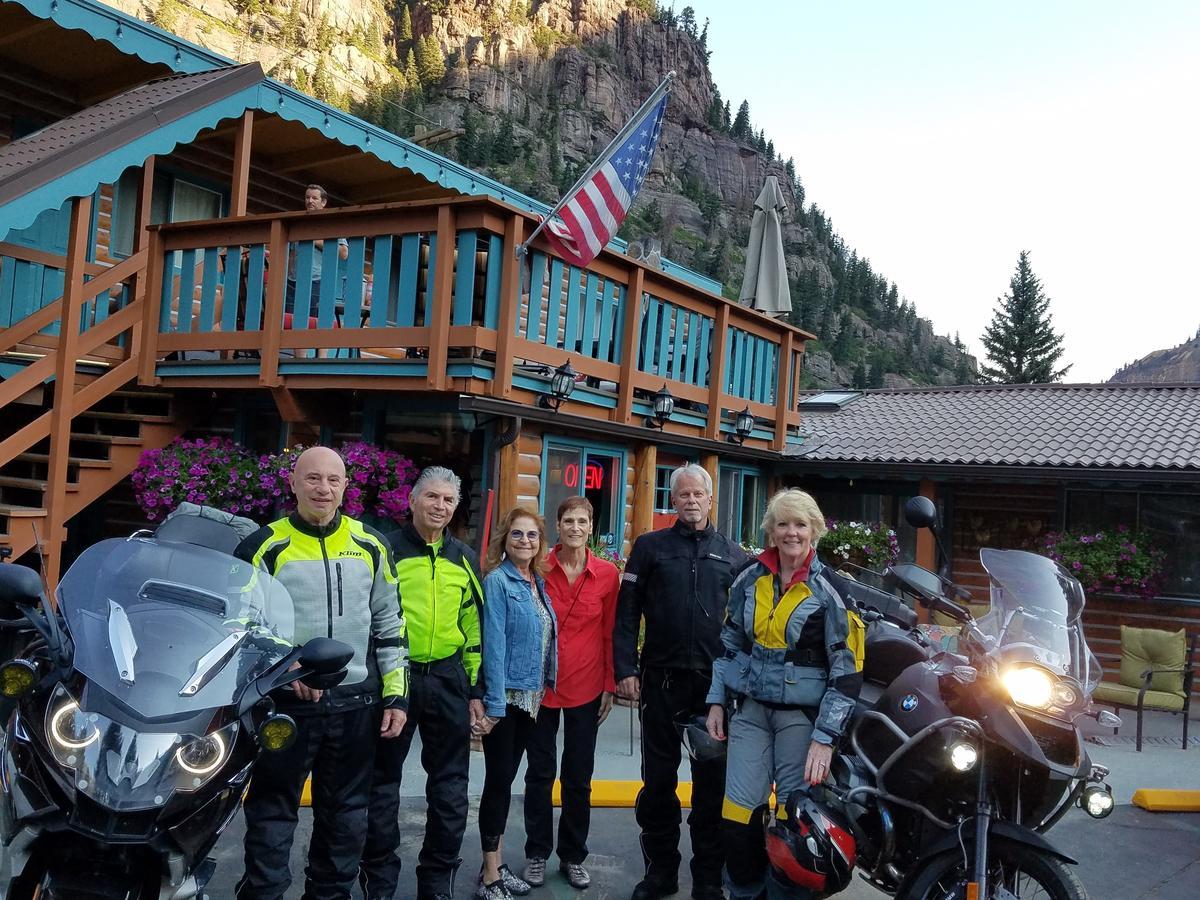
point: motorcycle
(956, 763)
(137, 710)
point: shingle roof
(39, 157)
(1147, 427)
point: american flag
(593, 213)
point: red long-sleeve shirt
(586, 612)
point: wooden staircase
(106, 442)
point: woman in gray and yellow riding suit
(791, 671)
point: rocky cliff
(1178, 365)
(538, 89)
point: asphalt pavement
(1131, 854)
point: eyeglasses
(517, 536)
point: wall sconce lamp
(742, 426)
(664, 405)
(562, 383)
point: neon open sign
(593, 476)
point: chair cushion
(1150, 648)
(1123, 694)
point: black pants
(437, 705)
(579, 756)
(503, 748)
(668, 695)
(339, 749)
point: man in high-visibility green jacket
(443, 603)
(342, 582)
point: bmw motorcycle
(956, 763)
(136, 711)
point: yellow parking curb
(605, 794)
(1163, 800)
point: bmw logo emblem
(909, 703)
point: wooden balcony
(430, 297)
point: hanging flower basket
(1118, 561)
(217, 472)
(871, 545)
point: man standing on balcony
(315, 197)
(340, 576)
(443, 603)
(679, 579)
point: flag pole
(663, 87)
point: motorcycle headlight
(1029, 686)
(70, 729)
(1065, 695)
(963, 756)
(200, 757)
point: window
(598, 475)
(175, 199)
(887, 508)
(662, 490)
(1171, 521)
(741, 502)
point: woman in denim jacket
(792, 669)
(520, 661)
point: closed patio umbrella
(765, 284)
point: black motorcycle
(135, 713)
(957, 762)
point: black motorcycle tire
(944, 876)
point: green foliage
(412, 77)
(649, 7)
(741, 125)
(166, 15)
(545, 39)
(1111, 562)
(869, 544)
(431, 62)
(326, 35)
(1020, 340)
(404, 30)
(292, 34)
(323, 87)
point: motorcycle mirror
(20, 586)
(919, 512)
(325, 656)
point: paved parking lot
(1131, 854)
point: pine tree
(741, 125)
(861, 379)
(291, 26)
(431, 64)
(412, 77)
(1020, 340)
(716, 118)
(727, 122)
(504, 150)
(404, 33)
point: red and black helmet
(812, 848)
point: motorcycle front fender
(998, 828)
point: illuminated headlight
(1029, 686)
(71, 729)
(1097, 800)
(200, 757)
(963, 756)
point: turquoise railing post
(463, 306)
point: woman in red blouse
(583, 589)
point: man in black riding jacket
(678, 578)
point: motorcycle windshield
(170, 629)
(1036, 605)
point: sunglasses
(517, 536)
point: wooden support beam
(926, 556)
(304, 160)
(240, 190)
(441, 299)
(64, 389)
(631, 339)
(711, 463)
(645, 463)
(510, 305)
(141, 241)
(272, 327)
(716, 373)
(783, 384)
(507, 482)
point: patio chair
(1156, 674)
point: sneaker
(577, 876)
(535, 871)
(494, 891)
(517, 887)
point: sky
(942, 138)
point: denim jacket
(512, 637)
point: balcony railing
(429, 296)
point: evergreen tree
(861, 380)
(687, 21)
(431, 64)
(876, 372)
(770, 151)
(404, 32)
(716, 112)
(412, 77)
(1020, 340)
(741, 125)
(292, 32)
(504, 148)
